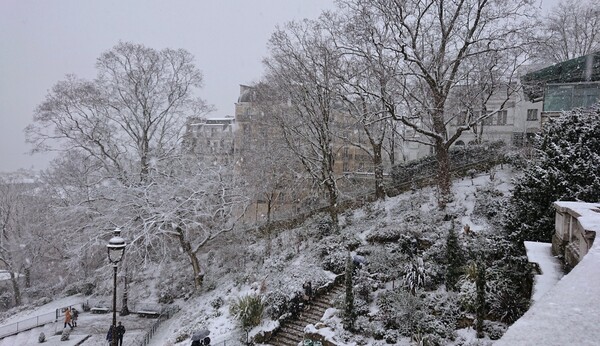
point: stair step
(285, 339)
(292, 331)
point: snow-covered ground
(200, 311)
(90, 327)
(568, 314)
(550, 267)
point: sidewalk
(91, 326)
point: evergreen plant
(455, 259)
(349, 313)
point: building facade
(513, 120)
(210, 139)
(564, 86)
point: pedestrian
(307, 290)
(68, 318)
(120, 332)
(75, 314)
(109, 335)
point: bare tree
(368, 77)
(124, 164)
(440, 43)
(268, 169)
(300, 74)
(131, 116)
(20, 250)
(569, 30)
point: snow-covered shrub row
(459, 157)
(489, 204)
(85, 288)
(172, 286)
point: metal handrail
(32, 322)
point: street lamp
(116, 249)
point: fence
(27, 324)
(33, 322)
(165, 315)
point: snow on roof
(568, 314)
(550, 267)
(588, 214)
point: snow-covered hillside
(277, 268)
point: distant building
(211, 139)
(513, 120)
(564, 86)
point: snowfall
(564, 309)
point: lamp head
(116, 247)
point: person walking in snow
(68, 318)
(74, 314)
(120, 332)
(307, 290)
(109, 335)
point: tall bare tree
(124, 164)
(440, 43)
(569, 30)
(300, 73)
(269, 170)
(21, 250)
(368, 77)
(131, 116)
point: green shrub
(248, 310)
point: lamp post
(116, 249)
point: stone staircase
(291, 332)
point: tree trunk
(378, 169)
(27, 277)
(480, 284)
(187, 247)
(333, 198)
(443, 159)
(16, 290)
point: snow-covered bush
(443, 310)
(66, 333)
(276, 304)
(42, 337)
(324, 227)
(173, 285)
(385, 262)
(84, 287)
(455, 260)
(400, 310)
(490, 204)
(248, 310)
(335, 260)
(467, 294)
(217, 303)
(363, 286)
(415, 276)
(565, 168)
(384, 235)
(494, 330)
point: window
(461, 119)
(532, 114)
(488, 120)
(502, 115)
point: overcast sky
(42, 41)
